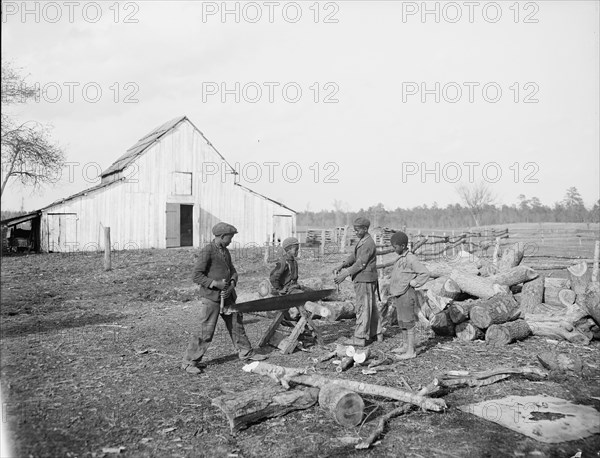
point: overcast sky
(359, 97)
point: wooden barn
(167, 190)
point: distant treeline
(454, 216)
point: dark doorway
(186, 225)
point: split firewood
(511, 257)
(532, 294)
(441, 324)
(451, 290)
(295, 375)
(514, 276)
(359, 356)
(590, 301)
(506, 333)
(561, 362)
(365, 444)
(477, 286)
(580, 277)
(347, 363)
(346, 406)
(468, 332)
(496, 310)
(558, 295)
(459, 311)
(243, 409)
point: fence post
(596, 260)
(343, 239)
(322, 247)
(107, 258)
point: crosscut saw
(279, 302)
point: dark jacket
(285, 274)
(362, 263)
(214, 263)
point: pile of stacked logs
(503, 301)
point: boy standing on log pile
(361, 267)
(408, 273)
(217, 277)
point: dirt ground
(90, 361)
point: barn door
(282, 227)
(173, 225)
(187, 225)
(62, 232)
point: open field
(90, 359)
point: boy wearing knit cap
(408, 273)
(361, 267)
(217, 277)
(284, 277)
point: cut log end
(346, 406)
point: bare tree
(28, 154)
(476, 197)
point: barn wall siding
(135, 208)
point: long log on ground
(532, 294)
(590, 301)
(511, 257)
(496, 310)
(514, 276)
(285, 375)
(453, 379)
(477, 286)
(366, 443)
(444, 268)
(556, 331)
(451, 290)
(243, 409)
(580, 277)
(441, 324)
(346, 406)
(504, 334)
(459, 311)
(468, 332)
(559, 295)
(560, 362)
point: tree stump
(248, 407)
(514, 276)
(511, 257)
(532, 294)
(497, 310)
(460, 311)
(468, 332)
(477, 286)
(580, 277)
(441, 324)
(346, 406)
(506, 333)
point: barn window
(183, 183)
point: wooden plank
(271, 329)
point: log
(451, 290)
(317, 309)
(468, 332)
(560, 362)
(532, 294)
(434, 285)
(347, 363)
(441, 324)
(340, 352)
(514, 276)
(497, 310)
(339, 310)
(580, 277)
(504, 334)
(453, 379)
(554, 330)
(295, 375)
(359, 355)
(556, 282)
(590, 301)
(511, 257)
(596, 264)
(570, 314)
(559, 295)
(346, 406)
(243, 409)
(477, 286)
(444, 268)
(459, 311)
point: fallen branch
(365, 444)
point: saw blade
(279, 302)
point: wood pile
(505, 301)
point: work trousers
(208, 314)
(368, 323)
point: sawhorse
(288, 344)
